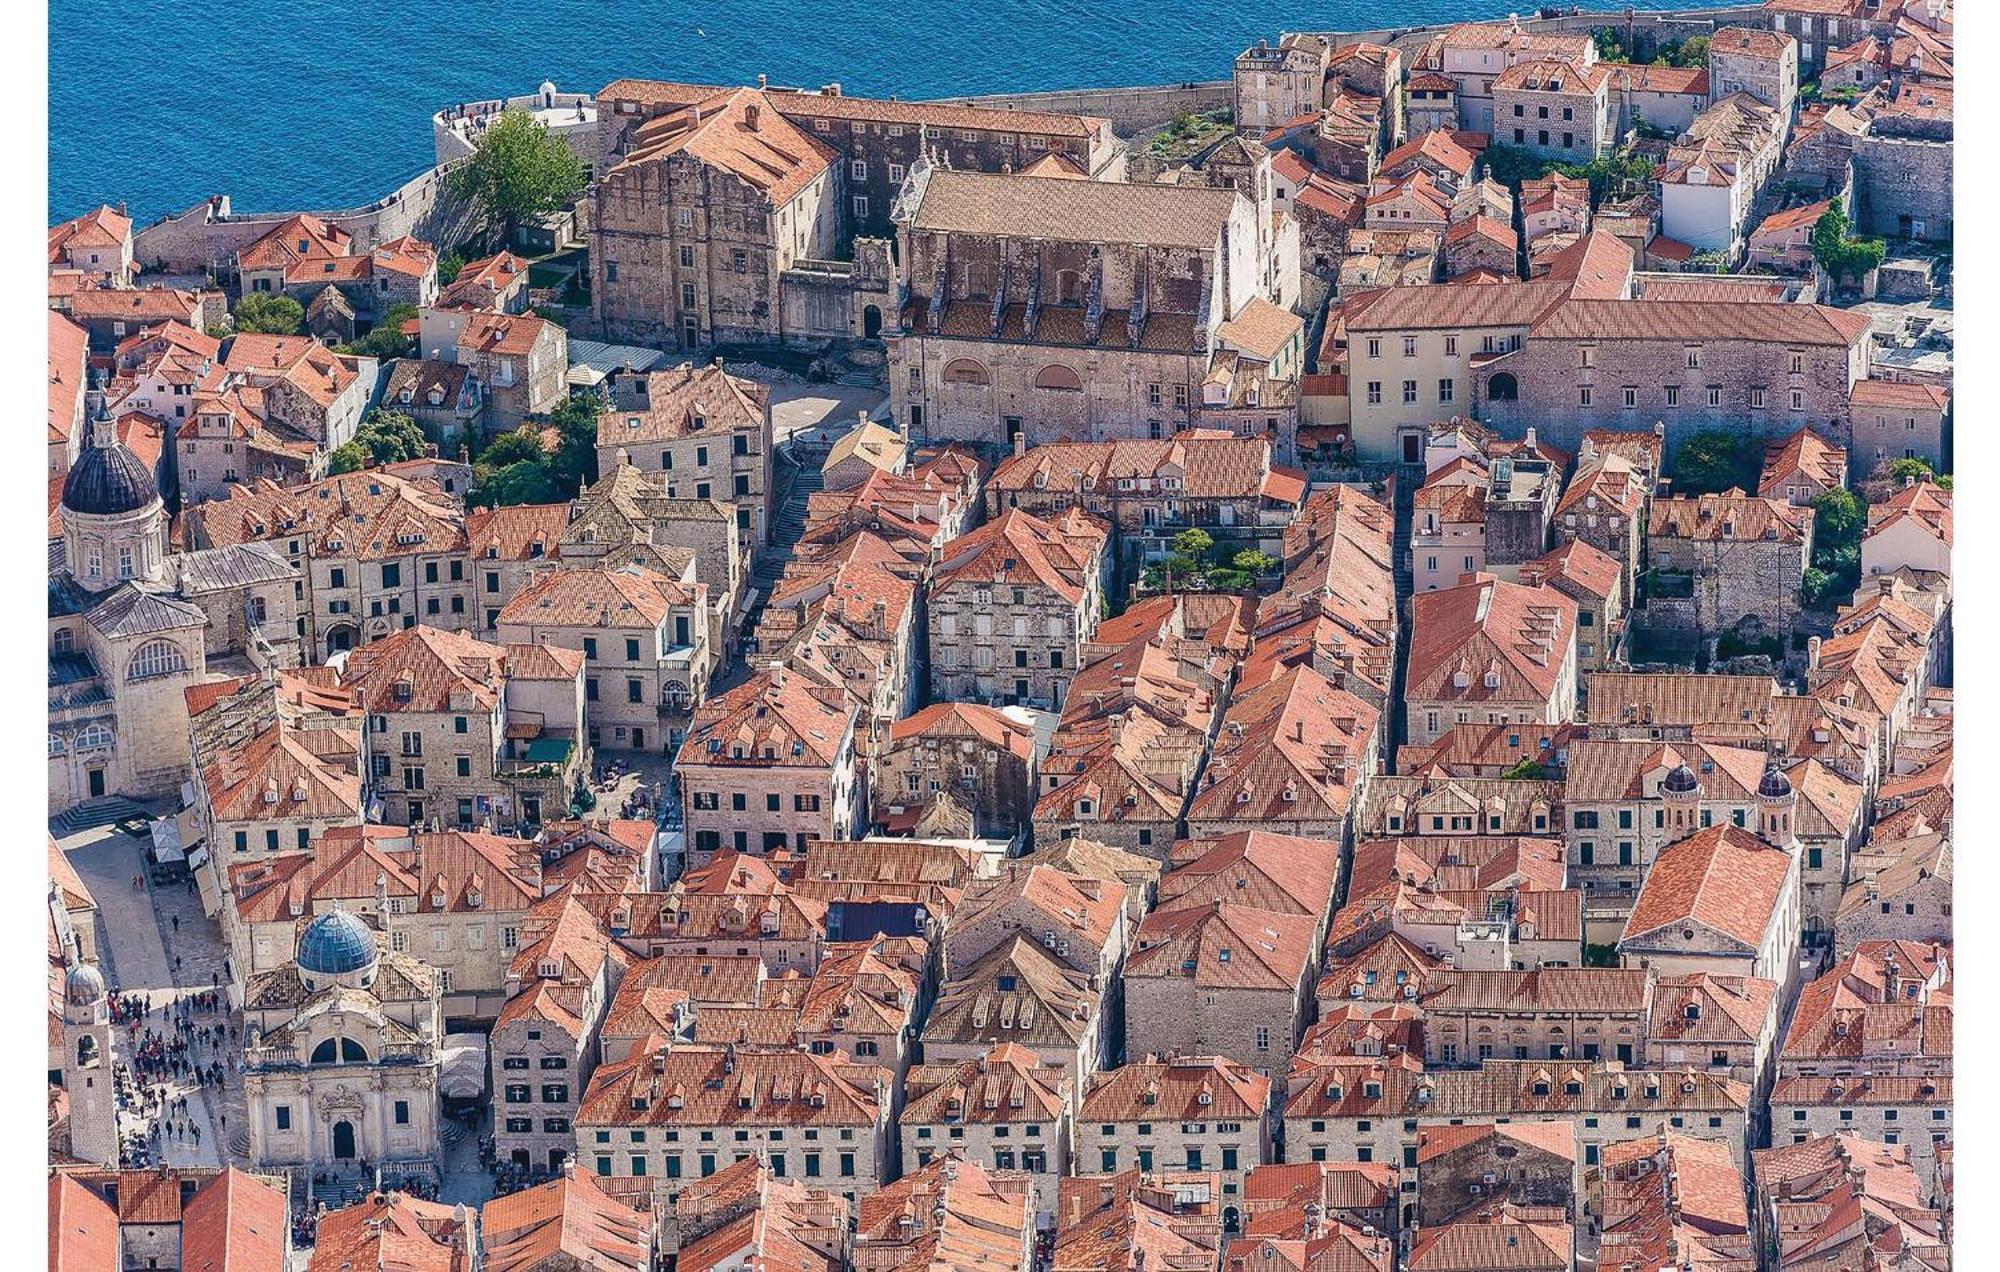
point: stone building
(775, 741)
(1913, 1111)
(341, 1054)
(97, 244)
(1293, 756)
(1274, 84)
(1377, 1111)
(133, 628)
(1761, 366)
(675, 1113)
(377, 552)
(1477, 1165)
(1555, 109)
(696, 222)
(1721, 900)
(544, 1045)
(1064, 310)
(629, 518)
(307, 391)
(1490, 652)
(1715, 171)
(1006, 1108)
(1019, 992)
(449, 727)
(1728, 1022)
(1764, 64)
(1235, 489)
(1178, 1113)
(1903, 167)
(508, 550)
(983, 757)
(874, 142)
(1218, 978)
(1895, 420)
(646, 652)
(1011, 605)
(1475, 54)
(708, 430)
(1551, 1013)
(1727, 561)
(520, 360)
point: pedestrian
(177, 924)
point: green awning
(549, 751)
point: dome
(335, 944)
(83, 986)
(1775, 785)
(108, 480)
(1681, 781)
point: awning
(167, 841)
(549, 751)
(462, 1074)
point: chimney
(831, 90)
(750, 115)
(624, 457)
(1812, 654)
(763, 81)
(1528, 445)
(1020, 444)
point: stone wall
(206, 237)
(1900, 181)
(1130, 110)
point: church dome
(336, 944)
(1774, 785)
(1680, 781)
(108, 480)
(83, 986)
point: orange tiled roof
(1722, 878)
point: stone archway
(871, 322)
(343, 1140)
(1503, 387)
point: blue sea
(318, 104)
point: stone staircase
(96, 812)
(799, 474)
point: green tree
(1195, 543)
(385, 339)
(1709, 462)
(1817, 587)
(1839, 517)
(1836, 249)
(527, 482)
(348, 457)
(575, 419)
(1254, 562)
(270, 314)
(1692, 51)
(390, 437)
(520, 171)
(1528, 770)
(1903, 471)
(449, 266)
(522, 446)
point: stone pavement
(143, 953)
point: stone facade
(707, 432)
(1554, 110)
(1012, 605)
(768, 765)
(1736, 557)
(1764, 64)
(983, 758)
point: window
(1583, 395)
(1693, 357)
(1631, 396)
(1374, 393)
(1374, 346)
(1451, 346)
(860, 206)
(1673, 395)
(1409, 392)
(858, 169)
(1798, 399)
(1715, 395)
(1409, 346)
(284, 1113)
(154, 659)
(1446, 389)
(1757, 399)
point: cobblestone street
(155, 943)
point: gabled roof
(770, 719)
(685, 400)
(966, 202)
(1022, 548)
(569, 1218)
(1224, 946)
(1724, 879)
(1521, 636)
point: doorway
(638, 739)
(343, 1141)
(96, 779)
(871, 322)
(1413, 448)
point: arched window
(352, 1050)
(55, 744)
(63, 641)
(94, 737)
(1059, 378)
(86, 1052)
(1069, 286)
(1503, 388)
(965, 371)
(347, 1049)
(156, 658)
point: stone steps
(97, 812)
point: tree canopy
(270, 314)
(520, 171)
(385, 339)
(1836, 249)
(1839, 517)
(385, 437)
(1712, 461)
(518, 467)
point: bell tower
(93, 1105)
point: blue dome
(335, 944)
(108, 480)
